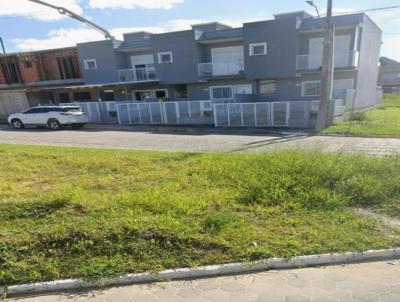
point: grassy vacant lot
(89, 213)
(383, 121)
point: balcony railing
(221, 69)
(342, 60)
(137, 74)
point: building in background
(275, 61)
(389, 75)
(28, 78)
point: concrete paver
(199, 140)
(347, 283)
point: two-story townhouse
(389, 75)
(30, 78)
(276, 60)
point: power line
(370, 10)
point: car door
(30, 116)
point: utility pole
(326, 105)
(2, 46)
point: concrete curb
(207, 271)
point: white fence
(168, 113)
(261, 114)
(252, 114)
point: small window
(311, 88)
(165, 57)
(222, 93)
(28, 64)
(161, 94)
(258, 49)
(267, 87)
(180, 91)
(90, 64)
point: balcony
(137, 74)
(313, 62)
(221, 69)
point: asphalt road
(196, 140)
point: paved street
(379, 281)
(197, 140)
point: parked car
(54, 117)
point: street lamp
(311, 3)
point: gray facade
(389, 75)
(212, 56)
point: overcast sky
(28, 26)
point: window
(161, 94)
(28, 64)
(311, 88)
(268, 87)
(64, 97)
(90, 64)
(258, 49)
(244, 89)
(33, 110)
(68, 67)
(165, 57)
(142, 95)
(82, 96)
(180, 91)
(221, 93)
(11, 72)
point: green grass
(69, 212)
(383, 121)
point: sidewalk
(379, 281)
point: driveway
(377, 281)
(196, 140)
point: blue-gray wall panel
(184, 48)
(281, 38)
(368, 70)
(103, 52)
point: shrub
(357, 116)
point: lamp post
(326, 105)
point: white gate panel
(280, 114)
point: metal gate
(252, 114)
(168, 113)
(140, 113)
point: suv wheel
(17, 124)
(54, 124)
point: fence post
(215, 115)
(151, 114)
(118, 115)
(255, 114)
(129, 113)
(140, 115)
(229, 115)
(177, 112)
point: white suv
(52, 116)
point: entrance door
(316, 47)
(227, 60)
(342, 51)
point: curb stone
(206, 271)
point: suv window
(72, 109)
(34, 110)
